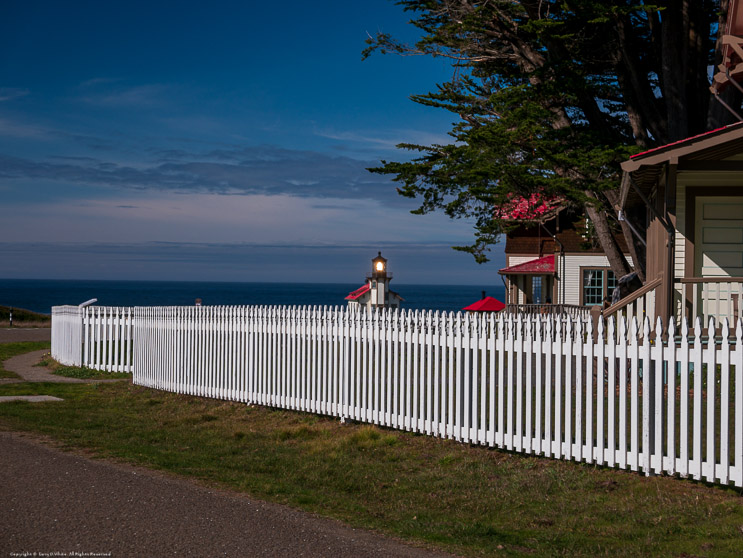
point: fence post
(81, 325)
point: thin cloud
(15, 129)
(94, 82)
(261, 170)
(144, 95)
(11, 93)
(389, 141)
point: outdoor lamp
(379, 265)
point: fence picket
(710, 355)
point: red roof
(358, 292)
(487, 304)
(678, 143)
(532, 208)
(540, 266)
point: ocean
(40, 295)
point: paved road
(58, 502)
(17, 334)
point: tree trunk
(674, 67)
(609, 245)
(636, 249)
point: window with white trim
(598, 283)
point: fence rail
(617, 396)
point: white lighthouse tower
(376, 292)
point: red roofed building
(550, 259)
(540, 266)
(375, 293)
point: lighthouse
(375, 293)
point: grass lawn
(469, 500)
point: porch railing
(705, 297)
(640, 304)
(549, 309)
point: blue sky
(223, 141)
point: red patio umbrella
(487, 304)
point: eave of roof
(644, 169)
(539, 266)
(358, 292)
(712, 143)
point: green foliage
(550, 97)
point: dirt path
(25, 366)
(59, 502)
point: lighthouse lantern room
(376, 292)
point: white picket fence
(537, 385)
(67, 328)
(95, 336)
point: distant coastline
(39, 295)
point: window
(611, 282)
(536, 289)
(597, 284)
